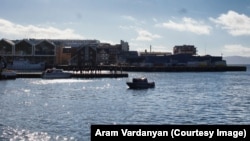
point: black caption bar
(170, 132)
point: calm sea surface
(64, 109)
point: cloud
(188, 25)
(133, 20)
(236, 24)
(127, 27)
(236, 49)
(108, 41)
(14, 31)
(144, 35)
(129, 18)
(155, 20)
(135, 23)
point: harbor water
(64, 109)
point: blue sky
(215, 27)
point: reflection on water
(52, 81)
(9, 133)
(64, 109)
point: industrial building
(183, 55)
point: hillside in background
(237, 60)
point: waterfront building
(112, 54)
(124, 46)
(155, 53)
(84, 55)
(74, 42)
(32, 50)
(24, 48)
(103, 56)
(125, 56)
(6, 47)
(51, 51)
(68, 51)
(45, 48)
(45, 51)
(63, 51)
(185, 49)
(81, 53)
(63, 55)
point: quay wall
(186, 69)
(158, 69)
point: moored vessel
(22, 64)
(54, 73)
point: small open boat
(140, 83)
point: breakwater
(186, 69)
(159, 68)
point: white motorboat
(140, 83)
(22, 64)
(55, 73)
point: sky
(214, 27)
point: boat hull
(141, 85)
